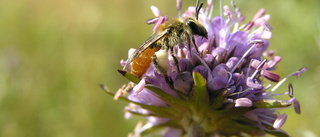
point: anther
(290, 90)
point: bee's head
(197, 28)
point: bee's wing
(151, 40)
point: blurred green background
(53, 54)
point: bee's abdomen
(141, 64)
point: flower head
(223, 87)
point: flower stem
(195, 130)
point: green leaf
(158, 111)
(278, 133)
(174, 102)
(153, 130)
(165, 112)
(270, 103)
(106, 90)
(129, 76)
(217, 102)
(268, 127)
(199, 95)
(171, 100)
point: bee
(170, 33)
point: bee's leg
(161, 68)
(176, 63)
(157, 67)
(189, 46)
(194, 44)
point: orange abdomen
(142, 63)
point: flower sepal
(271, 103)
(199, 97)
(276, 132)
(129, 76)
(156, 110)
(149, 129)
(173, 101)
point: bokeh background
(53, 54)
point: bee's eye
(193, 26)
(196, 28)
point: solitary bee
(169, 34)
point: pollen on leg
(142, 63)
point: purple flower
(225, 89)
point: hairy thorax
(178, 32)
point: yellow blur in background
(54, 53)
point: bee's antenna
(179, 4)
(198, 8)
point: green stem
(195, 131)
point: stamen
(159, 22)
(131, 51)
(280, 121)
(255, 63)
(248, 26)
(260, 125)
(267, 87)
(297, 73)
(266, 35)
(259, 14)
(243, 102)
(227, 11)
(267, 26)
(230, 77)
(127, 115)
(273, 95)
(261, 21)
(291, 100)
(290, 90)
(251, 83)
(201, 60)
(233, 3)
(139, 87)
(242, 58)
(142, 129)
(258, 69)
(269, 53)
(256, 41)
(264, 116)
(119, 93)
(138, 126)
(275, 60)
(256, 31)
(235, 17)
(266, 123)
(240, 92)
(209, 9)
(179, 4)
(296, 106)
(220, 7)
(236, 27)
(152, 21)
(123, 63)
(270, 75)
(155, 11)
